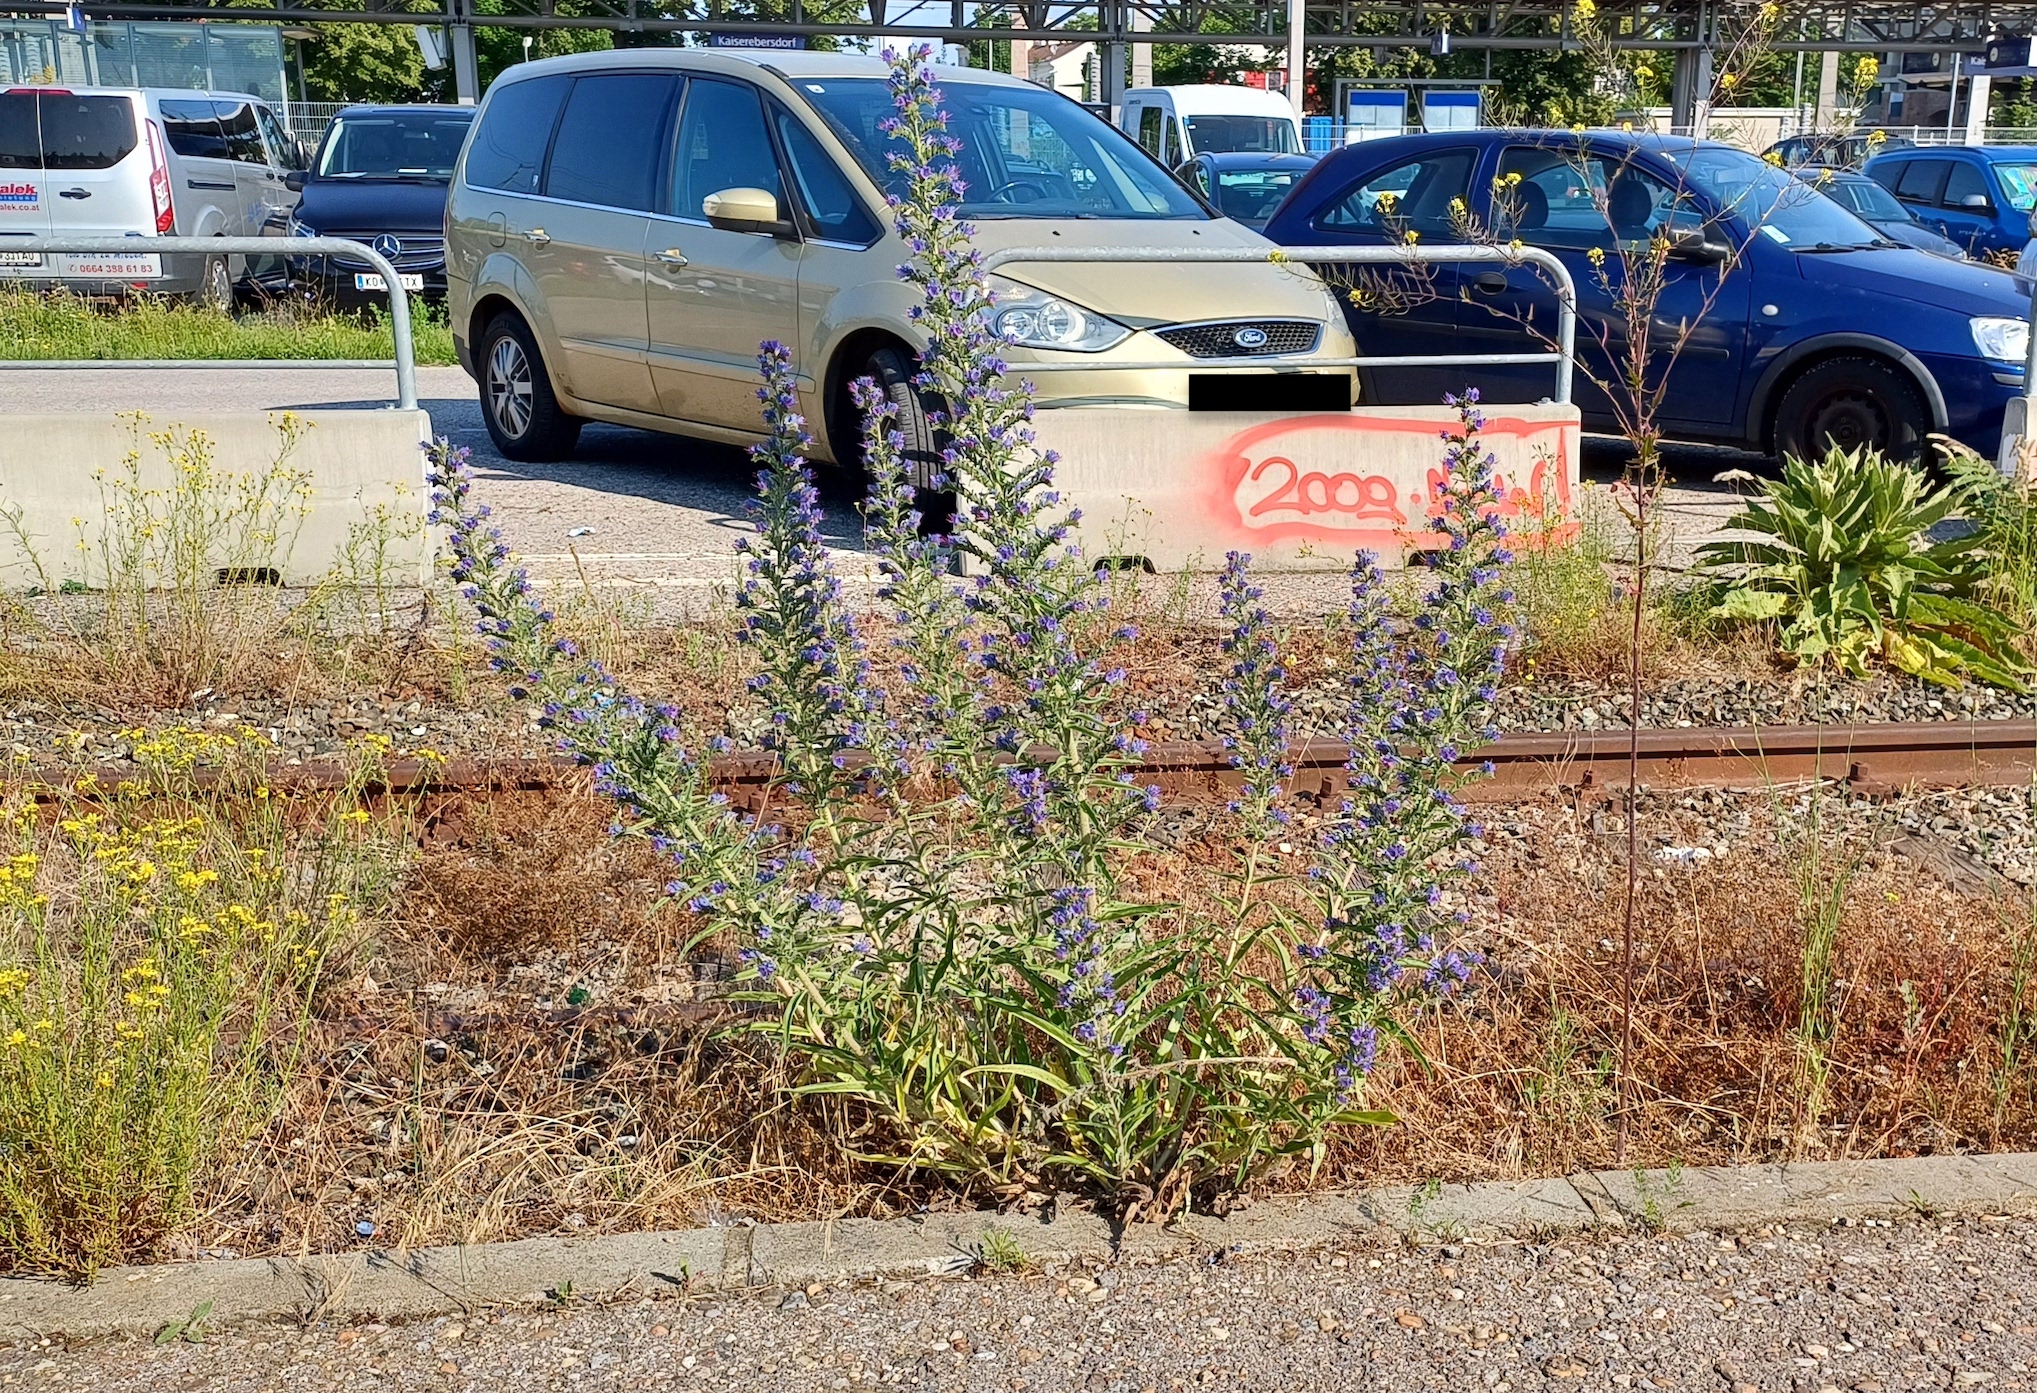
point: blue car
(1978, 196)
(1810, 328)
(1245, 185)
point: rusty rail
(1875, 758)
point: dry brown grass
(527, 1055)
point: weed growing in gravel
(931, 911)
(159, 950)
(1849, 570)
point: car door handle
(672, 256)
(1489, 283)
(74, 193)
(538, 237)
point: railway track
(1875, 759)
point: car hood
(1902, 273)
(1147, 295)
(372, 205)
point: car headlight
(1034, 319)
(2001, 339)
(300, 228)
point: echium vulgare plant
(937, 920)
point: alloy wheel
(509, 387)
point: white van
(141, 162)
(1179, 123)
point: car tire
(893, 370)
(517, 402)
(215, 286)
(1851, 403)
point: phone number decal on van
(20, 198)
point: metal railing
(1301, 258)
(399, 299)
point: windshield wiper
(1820, 248)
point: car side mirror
(1700, 245)
(745, 210)
(1978, 203)
(294, 181)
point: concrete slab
(308, 495)
(1732, 1196)
(1180, 489)
(796, 1254)
(439, 1281)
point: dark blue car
(1979, 196)
(1810, 327)
(380, 177)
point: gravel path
(1911, 1306)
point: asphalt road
(634, 508)
(1919, 1305)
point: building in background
(171, 53)
(1064, 66)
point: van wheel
(517, 401)
(1852, 403)
(215, 290)
(892, 370)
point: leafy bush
(2003, 511)
(934, 913)
(159, 948)
(1849, 569)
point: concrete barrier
(1180, 489)
(290, 497)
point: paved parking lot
(633, 508)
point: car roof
(72, 89)
(1256, 159)
(1991, 153)
(401, 108)
(789, 63)
(1216, 98)
(1486, 136)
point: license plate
(373, 281)
(120, 267)
(21, 259)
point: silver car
(624, 229)
(140, 162)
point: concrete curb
(141, 1301)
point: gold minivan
(625, 228)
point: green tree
(370, 63)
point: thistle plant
(939, 936)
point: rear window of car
(20, 143)
(508, 151)
(51, 130)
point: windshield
(1212, 135)
(2019, 185)
(1776, 204)
(1026, 152)
(1251, 195)
(409, 145)
(1863, 196)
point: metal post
(399, 299)
(466, 64)
(1979, 89)
(1142, 54)
(1297, 54)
